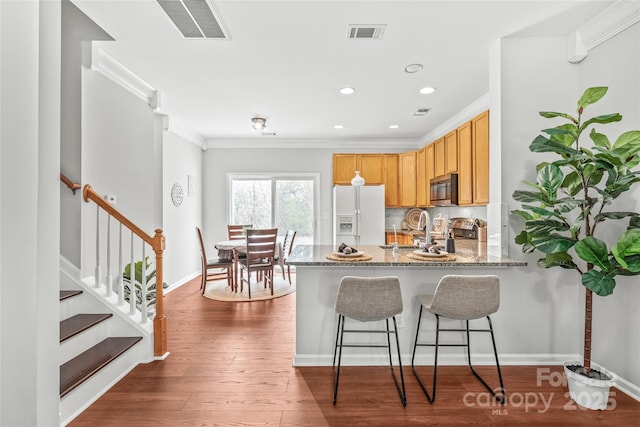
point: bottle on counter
(450, 244)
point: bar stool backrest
(369, 298)
(466, 297)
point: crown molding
(611, 21)
(170, 125)
(462, 116)
(341, 144)
(111, 68)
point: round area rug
(219, 291)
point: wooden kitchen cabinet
(421, 178)
(480, 131)
(371, 168)
(451, 152)
(465, 165)
(403, 239)
(430, 169)
(407, 187)
(473, 161)
(440, 157)
(391, 178)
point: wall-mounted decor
(177, 195)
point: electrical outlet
(400, 320)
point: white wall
(182, 255)
(118, 158)
(536, 76)
(616, 64)
(30, 218)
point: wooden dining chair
(284, 250)
(236, 231)
(223, 267)
(260, 257)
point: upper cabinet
(451, 152)
(406, 176)
(440, 156)
(371, 168)
(391, 178)
(421, 178)
(407, 189)
(430, 159)
(473, 161)
(481, 158)
(465, 165)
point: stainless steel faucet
(426, 225)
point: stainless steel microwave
(444, 190)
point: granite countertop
(469, 253)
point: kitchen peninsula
(318, 277)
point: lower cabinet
(403, 239)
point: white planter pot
(589, 393)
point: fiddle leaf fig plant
(565, 210)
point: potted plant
(151, 284)
(565, 212)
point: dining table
(237, 247)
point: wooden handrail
(157, 243)
(90, 194)
(73, 186)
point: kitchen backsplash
(396, 216)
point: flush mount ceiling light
(427, 90)
(338, 127)
(259, 124)
(413, 68)
(394, 126)
(347, 90)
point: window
(285, 202)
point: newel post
(159, 321)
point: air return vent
(421, 111)
(196, 19)
(366, 31)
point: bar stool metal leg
(400, 386)
(336, 374)
(502, 396)
(430, 397)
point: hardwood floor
(230, 365)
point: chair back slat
(261, 244)
(236, 231)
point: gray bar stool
(465, 298)
(368, 299)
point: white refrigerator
(358, 215)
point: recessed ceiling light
(394, 126)
(413, 68)
(427, 90)
(338, 127)
(347, 90)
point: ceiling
(287, 60)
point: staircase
(98, 347)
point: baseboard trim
(304, 360)
(180, 282)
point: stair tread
(79, 323)
(83, 366)
(68, 294)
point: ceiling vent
(366, 31)
(422, 111)
(195, 19)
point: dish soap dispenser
(450, 244)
